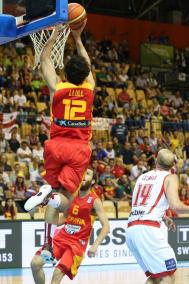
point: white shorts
(150, 247)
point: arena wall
(135, 31)
(19, 240)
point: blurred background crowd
(143, 116)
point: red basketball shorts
(66, 161)
(69, 256)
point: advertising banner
(10, 245)
(98, 123)
(112, 250)
(32, 240)
(156, 55)
(19, 241)
(180, 239)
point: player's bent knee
(37, 263)
(170, 279)
(173, 278)
(64, 202)
(57, 276)
(152, 281)
(51, 215)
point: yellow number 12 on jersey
(72, 107)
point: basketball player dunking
(153, 194)
(70, 241)
(67, 153)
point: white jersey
(149, 201)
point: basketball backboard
(23, 28)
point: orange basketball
(76, 15)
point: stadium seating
(131, 94)
(38, 216)
(123, 209)
(140, 95)
(183, 215)
(23, 216)
(123, 215)
(110, 209)
(41, 106)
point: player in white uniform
(154, 192)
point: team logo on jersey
(137, 212)
(89, 200)
(170, 264)
(72, 229)
(72, 123)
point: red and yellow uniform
(67, 153)
(70, 242)
(99, 191)
(110, 190)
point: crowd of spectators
(163, 38)
(145, 118)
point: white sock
(53, 228)
(55, 200)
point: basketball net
(40, 39)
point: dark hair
(76, 70)
(20, 185)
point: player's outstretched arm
(47, 66)
(82, 51)
(171, 191)
(105, 227)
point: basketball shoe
(47, 255)
(41, 198)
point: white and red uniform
(49, 233)
(145, 234)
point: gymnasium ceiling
(154, 10)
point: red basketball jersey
(72, 111)
(79, 222)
